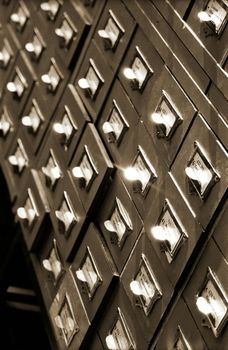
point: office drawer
(35, 119)
(32, 210)
(173, 230)
(144, 171)
(90, 168)
(20, 84)
(7, 131)
(50, 9)
(50, 170)
(219, 232)
(53, 81)
(207, 291)
(117, 123)
(36, 44)
(208, 20)
(180, 331)
(113, 32)
(147, 286)
(118, 328)
(68, 217)
(20, 21)
(48, 265)
(94, 272)
(8, 53)
(70, 119)
(199, 171)
(68, 317)
(119, 221)
(71, 30)
(140, 70)
(17, 163)
(95, 343)
(168, 115)
(94, 80)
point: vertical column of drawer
(143, 171)
(173, 230)
(119, 221)
(180, 330)
(8, 54)
(199, 171)
(168, 115)
(117, 124)
(94, 273)
(20, 21)
(69, 321)
(147, 286)
(32, 210)
(113, 32)
(90, 168)
(93, 80)
(206, 297)
(208, 20)
(68, 218)
(139, 71)
(119, 328)
(69, 121)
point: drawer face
(176, 5)
(144, 171)
(180, 331)
(48, 264)
(69, 320)
(19, 87)
(168, 116)
(70, 119)
(32, 209)
(93, 272)
(50, 170)
(206, 297)
(20, 21)
(118, 328)
(53, 81)
(219, 233)
(7, 58)
(113, 32)
(50, 9)
(140, 70)
(90, 167)
(172, 230)
(146, 285)
(119, 222)
(94, 80)
(34, 119)
(117, 123)
(199, 170)
(36, 46)
(68, 217)
(7, 130)
(70, 30)
(208, 19)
